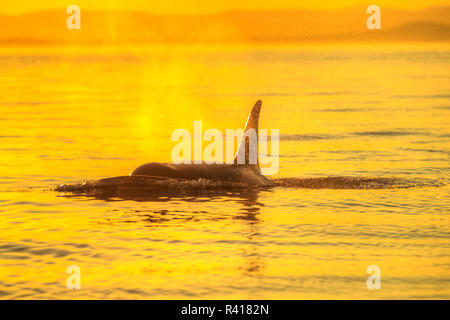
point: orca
(243, 170)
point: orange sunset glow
(362, 175)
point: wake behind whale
(141, 186)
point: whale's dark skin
(247, 174)
(236, 173)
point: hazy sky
(204, 6)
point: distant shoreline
(234, 27)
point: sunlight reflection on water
(380, 114)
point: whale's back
(247, 174)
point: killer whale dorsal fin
(247, 152)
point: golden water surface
(68, 114)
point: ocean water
(344, 112)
